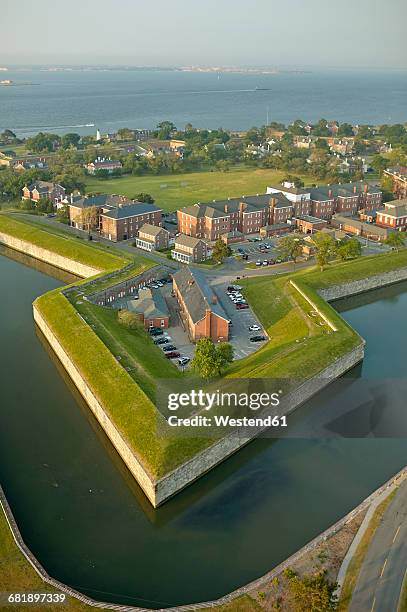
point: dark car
(242, 306)
(155, 331)
(257, 339)
(161, 341)
(172, 355)
(169, 347)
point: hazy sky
(292, 33)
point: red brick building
(42, 189)
(200, 311)
(152, 308)
(394, 215)
(398, 176)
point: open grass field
(178, 190)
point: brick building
(101, 163)
(152, 308)
(359, 228)
(152, 238)
(188, 249)
(42, 189)
(200, 311)
(116, 218)
(394, 215)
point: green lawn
(178, 190)
(61, 244)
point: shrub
(128, 319)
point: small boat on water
(262, 89)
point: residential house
(200, 310)
(29, 163)
(152, 238)
(188, 249)
(102, 163)
(42, 189)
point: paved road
(379, 584)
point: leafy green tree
(314, 593)
(144, 197)
(44, 205)
(125, 134)
(165, 129)
(130, 320)
(290, 246)
(325, 248)
(220, 251)
(43, 142)
(224, 354)
(349, 249)
(63, 214)
(345, 129)
(395, 240)
(321, 128)
(26, 205)
(70, 140)
(209, 360)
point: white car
(254, 328)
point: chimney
(214, 299)
(366, 187)
(226, 208)
(354, 188)
(330, 193)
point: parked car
(242, 306)
(257, 339)
(172, 355)
(161, 341)
(183, 361)
(265, 262)
(169, 347)
(254, 328)
(258, 263)
(154, 331)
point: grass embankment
(403, 596)
(61, 244)
(178, 190)
(356, 563)
(300, 344)
(17, 575)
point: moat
(84, 517)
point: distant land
(205, 69)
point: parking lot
(241, 321)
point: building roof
(130, 210)
(43, 186)
(352, 222)
(187, 241)
(395, 208)
(151, 304)
(197, 295)
(151, 230)
(309, 219)
(221, 208)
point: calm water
(90, 526)
(66, 101)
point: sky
(283, 33)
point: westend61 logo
(232, 409)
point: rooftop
(151, 304)
(187, 241)
(197, 294)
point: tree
(395, 240)
(125, 134)
(314, 593)
(325, 248)
(43, 142)
(290, 246)
(63, 214)
(349, 249)
(26, 205)
(345, 129)
(69, 140)
(144, 197)
(89, 218)
(224, 353)
(220, 251)
(44, 205)
(130, 320)
(209, 360)
(165, 128)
